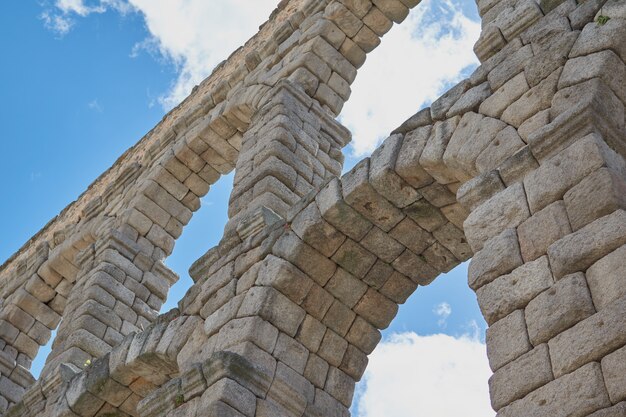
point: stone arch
(311, 266)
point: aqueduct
(520, 168)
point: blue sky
(83, 81)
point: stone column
(292, 146)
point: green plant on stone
(179, 400)
(601, 20)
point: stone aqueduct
(520, 167)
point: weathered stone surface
(383, 177)
(502, 98)
(515, 290)
(606, 278)
(505, 210)
(575, 395)
(359, 194)
(590, 339)
(577, 251)
(599, 194)
(516, 379)
(617, 410)
(315, 231)
(558, 308)
(499, 256)
(561, 172)
(614, 372)
(507, 340)
(538, 232)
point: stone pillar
(291, 147)
(119, 291)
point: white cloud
(443, 311)
(194, 35)
(95, 106)
(435, 376)
(414, 65)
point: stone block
(515, 290)
(340, 385)
(502, 98)
(618, 410)
(376, 309)
(383, 177)
(408, 233)
(507, 209)
(512, 65)
(574, 395)
(377, 21)
(594, 38)
(599, 194)
(506, 143)
(284, 277)
(291, 390)
(363, 335)
(398, 288)
(478, 190)
(307, 259)
(393, 9)
(310, 333)
(590, 339)
(274, 307)
(605, 65)
(382, 245)
(378, 275)
(614, 372)
(454, 240)
(499, 256)
(426, 215)
(343, 18)
(470, 100)
(354, 258)
(360, 194)
(558, 174)
(230, 392)
(545, 227)
(507, 340)
(346, 288)
(317, 302)
(332, 348)
(354, 363)
(407, 162)
(579, 250)
(440, 107)
(291, 353)
(440, 258)
(335, 211)
(516, 379)
(473, 134)
(605, 278)
(316, 370)
(415, 267)
(558, 308)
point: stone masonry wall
(520, 168)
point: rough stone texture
(606, 278)
(507, 339)
(521, 163)
(558, 308)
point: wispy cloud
(443, 311)
(437, 376)
(95, 106)
(59, 16)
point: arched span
(312, 266)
